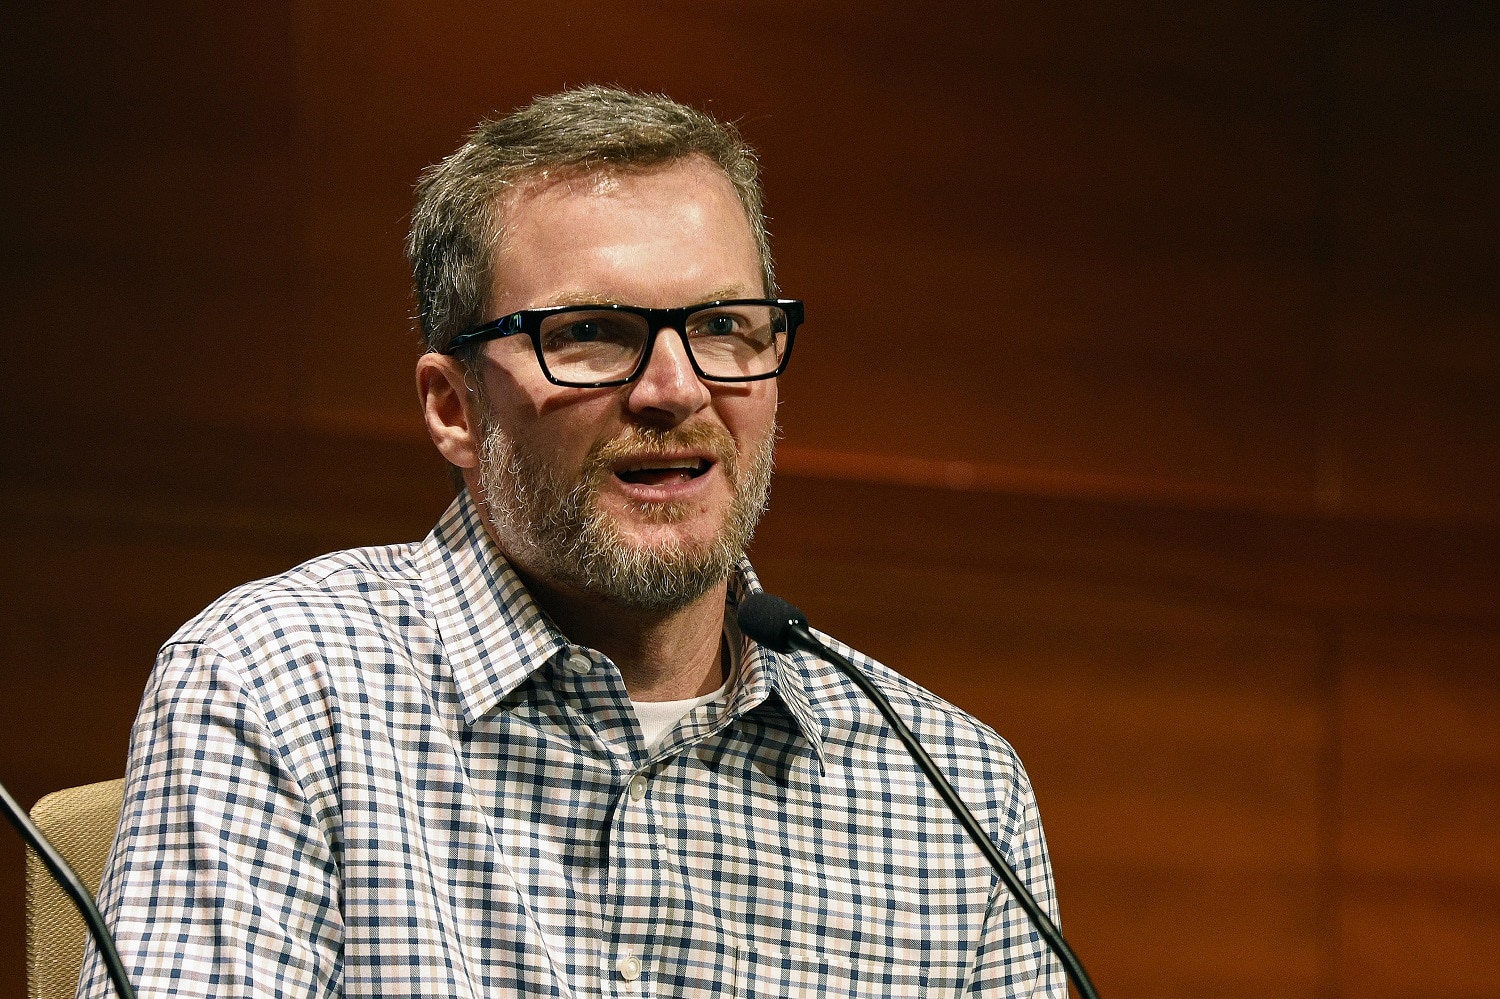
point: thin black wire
(75, 888)
(1045, 926)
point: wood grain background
(1211, 532)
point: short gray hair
(456, 225)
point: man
(533, 755)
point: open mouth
(662, 471)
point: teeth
(664, 464)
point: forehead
(603, 180)
(647, 236)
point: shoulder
(292, 628)
(319, 595)
(981, 764)
(284, 655)
(930, 716)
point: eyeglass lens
(596, 345)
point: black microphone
(74, 886)
(779, 626)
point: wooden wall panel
(153, 236)
(1213, 536)
(1419, 848)
(1415, 318)
(1036, 380)
(1422, 417)
(1135, 214)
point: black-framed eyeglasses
(597, 346)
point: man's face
(647, 492)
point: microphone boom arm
(778, 625)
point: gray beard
(563, 534)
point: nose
(669, 390)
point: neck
(662, 655)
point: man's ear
(450, 409)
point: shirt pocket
(775, 973)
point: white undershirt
(658, 718)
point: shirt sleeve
(1013, 960)
(223, 879)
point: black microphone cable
(77, 891)
(778, 625)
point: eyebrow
(590, 298)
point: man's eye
(583, 331)
(723, 325)
(591, 330)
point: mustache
(650, 442)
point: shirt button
(579, 663)
(637, 787)
(629, 968)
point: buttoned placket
(632, 848)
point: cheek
(751, 418)
(561, 435)
(551, 421)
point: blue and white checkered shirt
(386, 773)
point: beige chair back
(80, 822)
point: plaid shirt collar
(495, 636)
